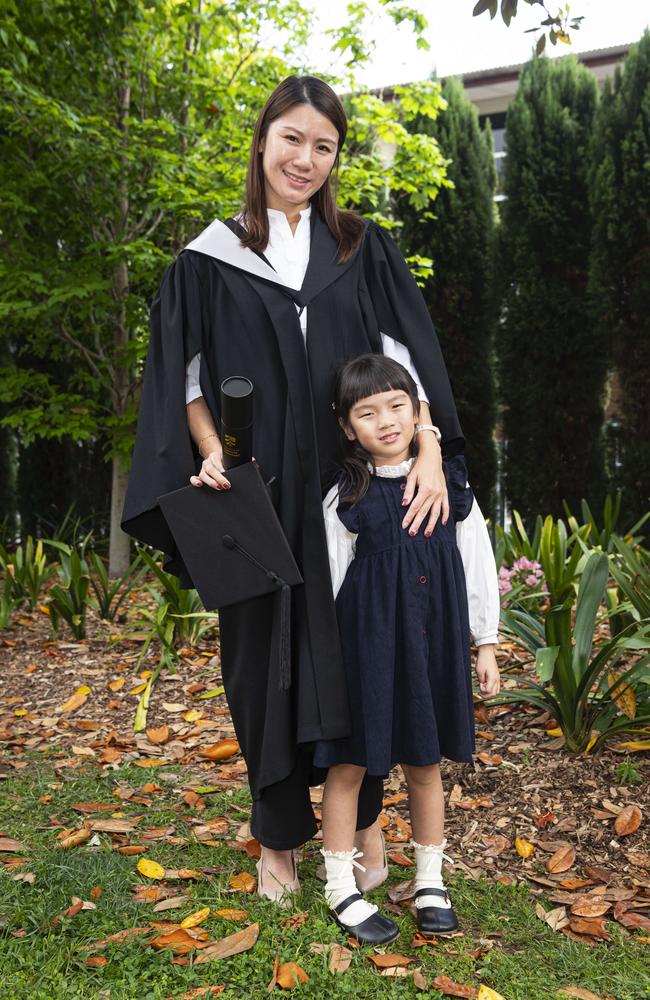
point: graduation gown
(225, 301)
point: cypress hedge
(552, 359)
(458, 233)
(620, 274)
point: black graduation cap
(234, 548)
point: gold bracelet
(206, 438)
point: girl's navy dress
(403, 618)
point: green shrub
(68, 599)
(28, 571)
(583, 689)
(109, 595)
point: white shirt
(288, 253)
(475, 549)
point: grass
(528, 961)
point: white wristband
(429, 427)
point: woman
(283, 295)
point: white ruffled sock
(339, 868)
(428, 873)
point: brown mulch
(521, 786)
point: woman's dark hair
(345, 227)
(365, 376)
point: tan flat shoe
(372, 877)
(270, 887)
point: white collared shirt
(475, 549)
(288, 253)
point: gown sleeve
(480, 575)
(193, 379)
(401, 313)
(393, 349)
(164, 456)
(340, 540)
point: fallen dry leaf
(75, 839)
(556, 918)
(390, 961)
(195, 919)
(524, 848)
(340, 958)
(131, 849)
(117, 684)
(594, 927)
(76, 700)
(8, 844)
(111, 825)
(452, 989)
(221, 750)
(159, 734)
(231, 914)
(234, 944)
(562, 860)
(579, 992)
(96, 961)
(485, 993)
(290, 974)
(628, 821)
(243, 881)
(401, 891)
(119, 937)
(170, 904)
(151, 869)
(590, 908)
(180, 941)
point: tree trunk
(119, 542)
(119, 555)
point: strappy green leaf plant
(68, 599)
(109, 595)
(581, 687)
(27, 569)
(183, 607)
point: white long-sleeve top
(475, 549)
(288, 253)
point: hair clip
(333, 406)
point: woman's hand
(427, 486)
(212, 472)
(487, 670)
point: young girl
(405, 605)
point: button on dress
(403, 618)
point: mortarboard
(234, 548)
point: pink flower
(532, 580)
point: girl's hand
(427, 486)
(212, 472)
(487, 671)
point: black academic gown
(223, 300)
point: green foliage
(8, 602)
(605, 537)
(26, 571)
(180, 610)
(552, 362)
(629, 773)
(559, 24)
(580, 687)
(457, 231)
(513, 543)
(111, 594)
(68, 599)
(620, 263)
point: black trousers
(283, 818)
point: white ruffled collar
(392, 471)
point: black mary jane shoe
(435, 919)
(375, 929)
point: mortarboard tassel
(284, 642)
